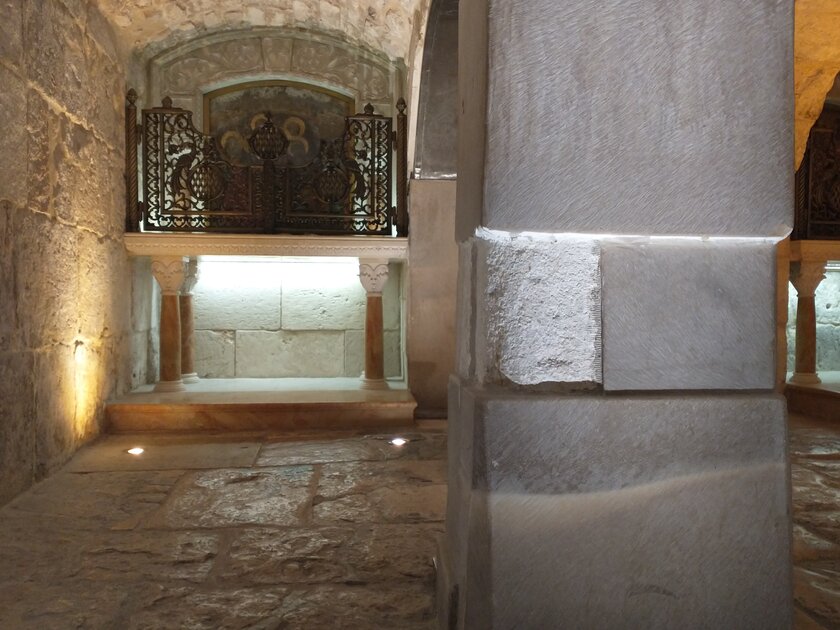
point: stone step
(260, 404)
(820, 400)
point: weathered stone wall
(64, 276)
(817, 62)
(827, 302)
(288, 319)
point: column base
(170, 386)
(374, 383)
(805, 378)
(190, 378)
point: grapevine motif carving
(188, 186)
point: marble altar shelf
(211, 244)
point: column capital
(806, 277)
(190, 276)
(169, 272)
(373, 274)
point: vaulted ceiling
(148, 26)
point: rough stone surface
(646, 152)
(214, 353)
(563, 504)
(521, 295)
(815, 472)
(66, 329)
(689, 314)
(225, 547)
(282, 353)
(816, 63)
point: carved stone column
(169, 273)
(806, 277)
(185, 301)
(373, 275)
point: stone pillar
(169, 273)
(185, 301)
(617, 452)
(806, 277)
(373, 275)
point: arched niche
(189, 71)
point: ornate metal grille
(187, 186)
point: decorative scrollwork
(188, 186)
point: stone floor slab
(163, 452)
(230, 497)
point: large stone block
(689, 314)
(323, 308)
(17, 414)
(214, 353)
(289, 353)
(238, 296)
(11, 29)
(578, 143)
(13, 140)
(56, 384)
(46, 280)
(653, 512)
(9, 332)
(354, 353)
(537, 309)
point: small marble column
(169, 273)
(373, 275)
(806, 277)
(185, 301)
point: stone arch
(188, 71)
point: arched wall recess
(188, 71)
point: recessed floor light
(398, 441)
(137, 450)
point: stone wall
(293, 318)
(817, 62)
(64, 276)
(187, 72)
(827, 302)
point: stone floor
(214, 531)
(306, 531)
(815, 473)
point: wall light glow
(137, 450)
(230, 272)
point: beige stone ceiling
(147, 26)
(817, 54)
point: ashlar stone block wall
(299, 318)
(827, 302)
(65, 295)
